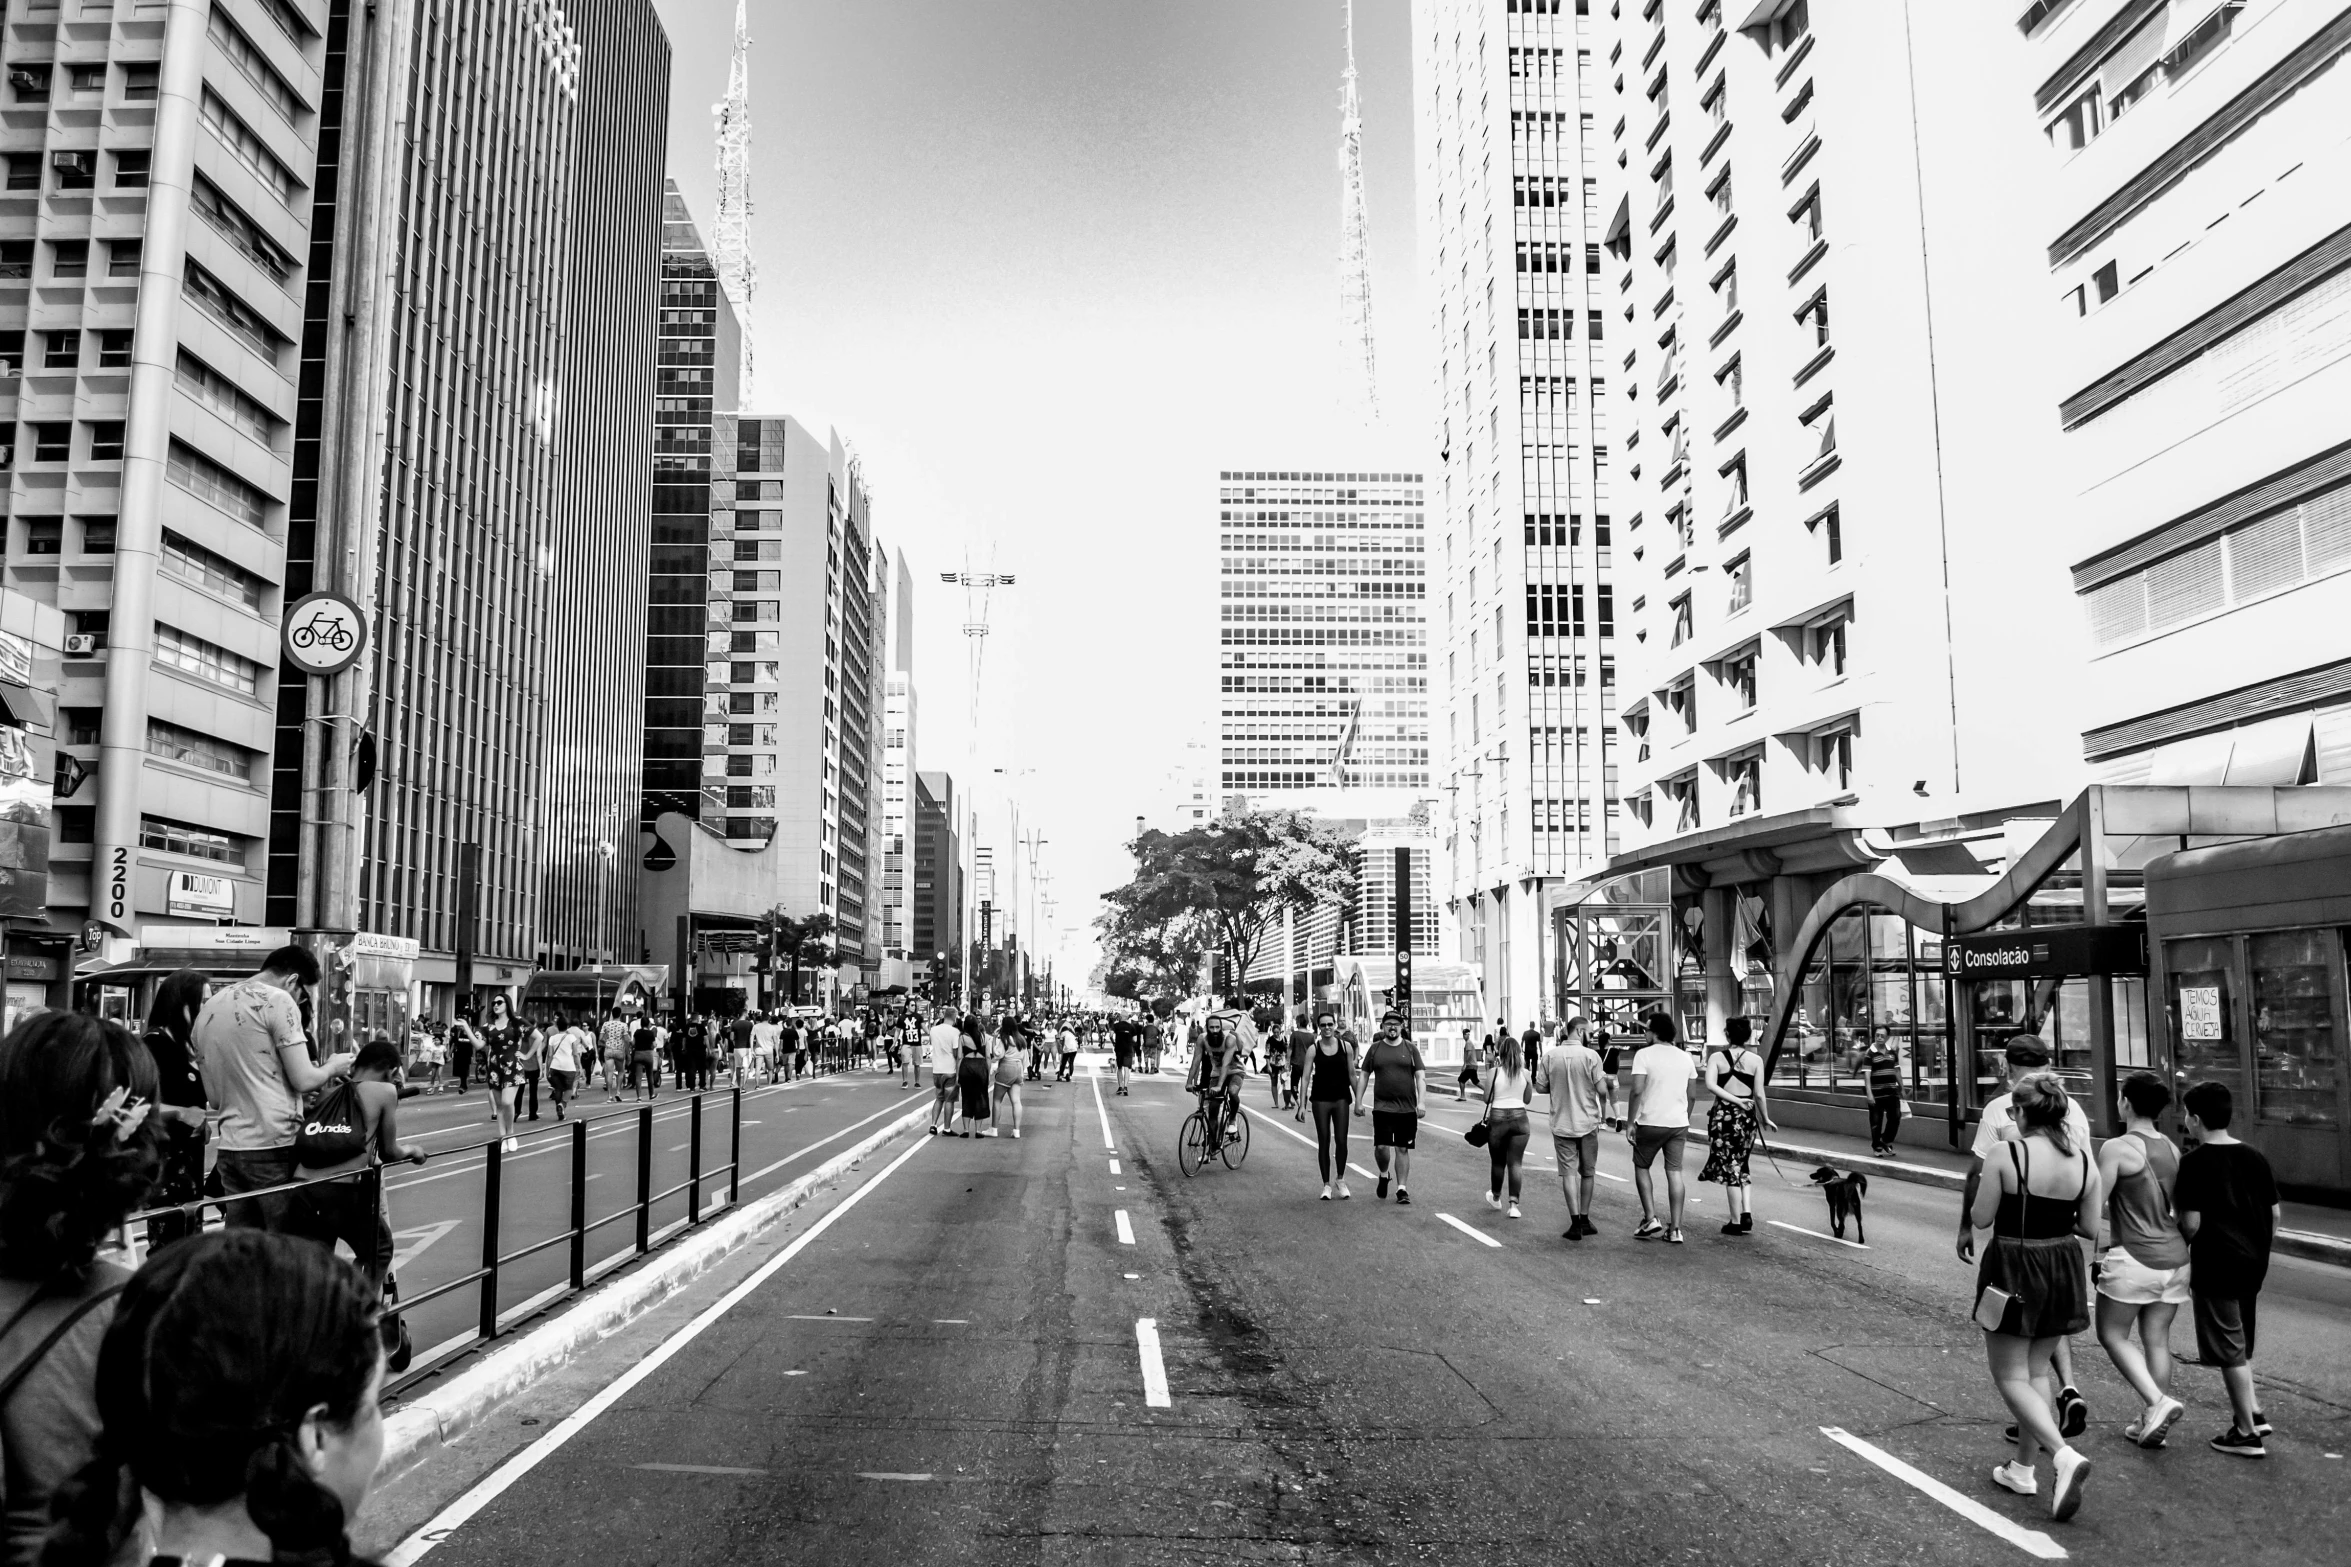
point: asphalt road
(436, 1211)
(951, 1365)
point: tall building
(2199, 259)
(1188, 794)
(689, 588)
(1511, 223)
(796, 690)
(597, 665)
(1323, 646)
(896, 836)
(939, 902)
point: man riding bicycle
(1219, 1067)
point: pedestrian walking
(615, 1043)
(353, 1132)
(971, 1084)
(767, 1044)
(179, 1108)
(464, 1045)
(1122, 1041)
(529, 1062)
(563, 1064)
(2227, 1200)
(1469, 1068)
(2024, 1055)
(1069, 1052)
(1332, 1082)
(2142, 1274)
(1734, 1075)
(236, 1412)
(431, 1054)
(78, 1151)
(2040, 1192)
(1507, 1098)
(945, 1047)
(1573, 1075)
(255, 1058)
(1665, 1085)
(1883, 1064)
(502, 1041)
(1007, 1070)
(1300, 1045)
(1399, 1099)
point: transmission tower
(1355, 232)
(737, 273)
(977, 586)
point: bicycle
(1206, 1134)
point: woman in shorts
(971, 1083)
(1007, 1073)
(2143, 1267)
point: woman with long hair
(238, 1387)
(79, 1151)
(502, 1041)
(179, 1093)
(1507, 1098)
(2038, 1194)
(1332, 1082)
(1735, 1076)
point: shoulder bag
(1992, 1303)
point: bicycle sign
(324, 633)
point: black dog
(1844, 1190)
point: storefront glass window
(2202, 1004)
(2297, 1052)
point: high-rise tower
(737, 273)
(1355, 234)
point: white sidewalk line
(454, 1516)
(1276, 1124)
(1815, 1234)
(1094, 1076)
(1126, 1230)
(1114, 1169)
(1474, 1234)
(439, 1417)
(2031, 1541)
(1155, 1395)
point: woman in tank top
(1507, 1097)
(2143, 1266)
(1332, 1085)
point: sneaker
(934, 1131)
(2261, 1425)
(1016, 1132)
(1383, 1188)
(1403, 1197)
(2073, 1415)
(1589, 1227)
(1493, 1202)
(1326, 1191)
(1648, 1230)
(1573, 1232)
(511, 1146)
(1514, 1213)
(2017, 1478)
(1734, 1228)
(1747, 1222)
(2157, 1422)
(1344, 1194)
(2072, 1470)
(1673, 1237)
(2240, 1444)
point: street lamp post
(605, 850)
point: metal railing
(165, 1223)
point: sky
(1050, 265)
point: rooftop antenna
(1355, 233)
(737, 273)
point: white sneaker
(2072, 1470)
(1326, 1191)
(1344, 1194)
(1493, 1201)
(1016, 1131)
(2016, 1477)
(511, 1146)
(1514, 1213)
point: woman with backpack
(238, 1388)
(79, 1150)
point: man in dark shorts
(644, 1058)
(1122, 1040)
(1400, 1081)
(2227, 1202)
(1301, 1044)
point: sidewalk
(2307, 1230)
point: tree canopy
(1220, 889)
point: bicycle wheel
(1236, 1144)
(1192, 1144)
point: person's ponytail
(302, 1518)
(92, 1514)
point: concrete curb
(439, 1417)
(2306, 1244)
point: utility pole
(1355, 233)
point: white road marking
(1094, 1076)
(1114, 1169)
(1302, 1137)
(697, 1469)
(952, 1322)
(1815, 1234)
(884, 1474)
(899, 1106)
(419, 1238)
(826, 1316)
(1155, 1394)
(1126, 1231)
(1473, 1234)
(1618, 1179)
(2030, 1541)
(453, 1517)
(1138, 1275)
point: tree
(807, 939)
(1219, 888)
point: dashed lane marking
(2031, 1541)
(1155, 1395)
(454, 1517)
(1126, 1231)
(1114, 1169)
(1815, 1234)
(821, 1316)
(1474, 1234)
(697, 1469)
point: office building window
(30, 81)
(1820, 421)
(193, 655)
(1832, 756)
(193, 563)
(16, 260)
(130, 168)
(69, 258)
(155, 832)
(122, 258)
(44, 535)
(53, 442)
(1739, 583)
(140, 82)
(1832, 533)
(24, 173)
(61, 350)
(106, 440)
(97, 535)
(1813, 317)
(191, 749)
(1742, 775)
(114, 348)
(202, 477)
(74, 170)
